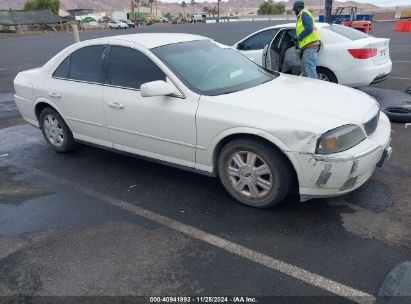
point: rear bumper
(26, 109)
(341, 173)
(364, 75)
(379, 79)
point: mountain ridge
(230, 6)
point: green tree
(277, 8)
(270, 8)
(264, 8)
(192, 2)
(35, 5)
(167, 15)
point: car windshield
(208, 69)
(346, 31)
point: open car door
(271, 57)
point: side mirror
(158, 88)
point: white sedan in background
(190, 102)
(115, 24)
(347, 56)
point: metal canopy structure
(28, 17)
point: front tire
(254, 173)
(55, 131)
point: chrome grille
(372, 124)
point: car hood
(296, 110)
(314, 103)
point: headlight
(339, 139)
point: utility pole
(75, 32)
(328, 11)
(218, 10)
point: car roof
(152, 40)
(292, 25)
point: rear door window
(130, 68)
(346, 31)
(259, 40)
(87, 64)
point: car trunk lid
(383, 50)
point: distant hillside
(230, 6)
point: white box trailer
(119, 16)
(198, 17)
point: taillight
(363, 53)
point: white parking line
(8, 109)
(401, 78)
(25, 67)
(402, 61)
(234, 248)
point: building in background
(16, 21)
(79, 11)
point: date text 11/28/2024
(181, 299)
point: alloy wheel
(249, 174)
(322, 76)
(53, 130)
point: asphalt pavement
(94, 222)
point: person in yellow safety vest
(308, 39)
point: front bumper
(341, 173)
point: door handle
(115, 105)
(54, 95)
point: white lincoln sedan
(190, 102)
(347, 56)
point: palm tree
(151, 6)
(207, 10)
(192, 2)
(184, 5)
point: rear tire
(326, 75)
(254, 173)
(55, 130)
